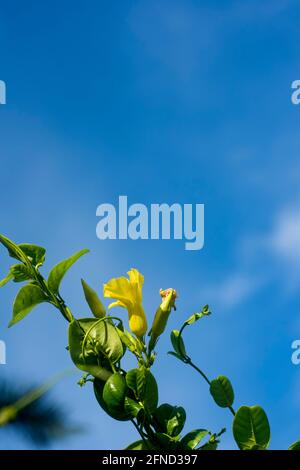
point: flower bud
(162, 315)
(95, 304)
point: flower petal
(137, 281)
(136, 276)
(118, 303)
(120, 289)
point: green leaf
(137, 445)
(144, 386)
(161, 416)
(6, 279)
(58, 272)
(178, 343)
(251, 428)
(141, 445)
(35, 253)
(106, 340)
(24, 251)
(27, 298)
(150, 393)
(213, 441)
(176, 421)
(136, 381)
(13, 249)
(96, 306)
(295, 446)
(196, 316)
(167, 442)
(132, 407)
(21, 272)
(172, 353)
(93, 344)
(128, 340)
(210, 445)
(222, 391)
(193, 438)
(169, 419)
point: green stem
(190, 363)
(140, 433)
(57, 301)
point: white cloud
(284, 240)
(233, 290)
(272, 256)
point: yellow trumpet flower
(162, 315)
(128, 294)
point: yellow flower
(169, 296)
(128, 294)
(162, 315)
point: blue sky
(163, 101)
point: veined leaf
(132, 407)
(169, 419)
(136, 380)
(144, 386)
(35, 253)
(193, 438)
(150, 393)
(251, 428)
(21, 272)
(176, 421)
(58, 272)
(222, 391)
(27, 298)
(92, 344)
(13, 249)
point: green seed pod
(95, 304)
(114, 392)
(99, 386)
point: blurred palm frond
(32, 413)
